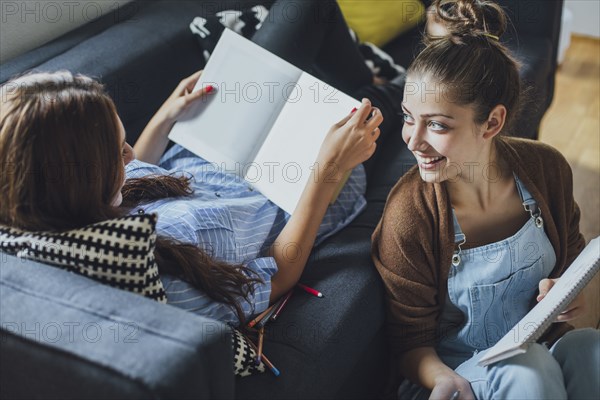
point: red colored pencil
(283, 303)
(310, 290)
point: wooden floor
(572, 125)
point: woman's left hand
(182, 97)
(575, 310)
(154, 139)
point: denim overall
(490, 288)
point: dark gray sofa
(64, 336)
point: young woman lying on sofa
(224, 250)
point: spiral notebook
(534, 324)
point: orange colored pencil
(264, 359)
(261, 337)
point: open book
(266, 122)
(535, 323)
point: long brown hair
(470, 60)
(61, 168)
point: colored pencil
(260, 316)
(283, 303)
(261, 337)
(269, 314)
(264, 359)
(310, 290)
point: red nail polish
(353, 110)
(209, 89)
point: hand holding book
(574, 310)
(560, 300)
(182, 97)
(153, 141)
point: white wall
(25, 25)
(586, 16)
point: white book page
(227, 127)
(285, 161)
(536, 321)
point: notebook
(535, 322)
(265, 122)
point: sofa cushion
(65, 326)
(317, 343)
(117, 252)
(379, 21)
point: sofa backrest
(140, 51)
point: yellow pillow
(379, 21)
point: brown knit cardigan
(414, 241)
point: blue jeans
(568, 370)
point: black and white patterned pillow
(207, 31)
(117, 252)
(245, 22)
(380, 63)
(244, 356)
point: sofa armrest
(66, 336)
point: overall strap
(529, 202)
(459, 239)
(459, 236)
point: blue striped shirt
(231, 222)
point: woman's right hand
(351, 141)
(449, 383)
(348, 143)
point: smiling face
(443, 135)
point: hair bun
(463, 18)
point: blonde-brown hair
(57, 133)
(470, 60)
